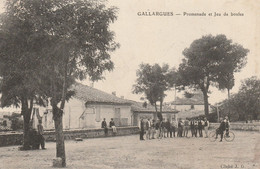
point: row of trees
(45, 46)
(244, 105)
(209, 61)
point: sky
(161, 39)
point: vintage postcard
(179, 87)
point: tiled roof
(92, 95)
(138, 107)
(197, 99)
(190, 113)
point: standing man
(153, 129)
(227, 124)
(195, 127)
(157, 129)
(142, 130)
(40, 133)
(186, 127)
(160, 129)
(206, 126)
(174, 127)
(200, 127)
(148, 129)
(113, 126)
(180, 128)
(192, 127)
(164, 130)
(104, 126)
(168, 128)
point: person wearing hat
(142, 129)
(113, 126)
(148, 129)
(206, 126)
(153, 129)
(104, 126)
(227, 125)
(221, 129)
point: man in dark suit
(113, 126)
(221, 129)
(104, 126)
(200, 127)
(192, 127)
(142, 130)
(168, 128)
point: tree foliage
(19, 60)
(152, 82)
(211, 60)
(245, 104)
(66, 40)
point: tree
(210, 60)
(19, 59)
(233, 61)
(80, 45)
(249, 98)
(152, 81)
(75, 43)
(245, 104)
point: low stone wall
(8, 139)
(239, 126)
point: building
(87, 108)
(189, 107)
(147, 111)
(5, 117)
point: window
(192, 106)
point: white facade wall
(76, 115)
(93, 120)
(72, 111)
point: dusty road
(129, 152)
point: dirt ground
(130, 152)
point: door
(117, 118)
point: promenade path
(129, 152)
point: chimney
(114, 93)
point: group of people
(111, 125)
(160, 129)
(36, 137)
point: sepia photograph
(130, 84)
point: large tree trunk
(60, 146)
(206, 103)
(26, 112)
(159, 114)
(156, 111)
(58, 114)
(26, 136)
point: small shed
(147, 111)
